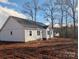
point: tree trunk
(52, 19)
(61, 22)
(73, 21)
(66, 26)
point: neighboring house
(22, 30)
(49, 32)
(56, 31)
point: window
(38, 32)
(11, 33)
(30, 33)
(48, 32)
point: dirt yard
(43, 49)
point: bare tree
(32, 8)
(70, 7)
(49, 10)
(28, 9)
(60, 3)
(66, 16)
(36, 7)
(72, 4)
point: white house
(22, 30)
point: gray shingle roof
(24, 22)
(29, 23)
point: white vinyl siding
(34, 35)
(13, 31)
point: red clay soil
(47, 49)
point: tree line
(63, 11)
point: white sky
(12, 12)
(3, 0)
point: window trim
(48, 32)
(38, 33)
(11, 33)
(30, 33)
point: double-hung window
(30, 33)
(38, 32)
(49, 32)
